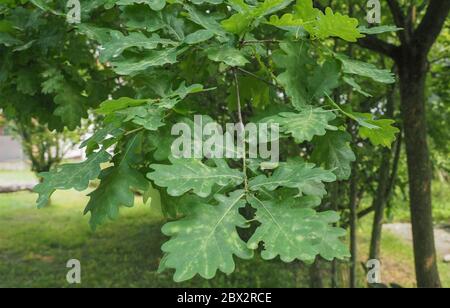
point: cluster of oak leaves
(210, 195)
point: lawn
(441, 206)
(36, 244)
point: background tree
(421, 21)
(45, 149)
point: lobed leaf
(206, 239)
(185, 174)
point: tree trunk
(413, 69)
(334, 192)
(379, 205)
(381, 197)
(315, 275)
(353, 227)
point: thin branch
(395, 166)
(134, 131)
(259, 78)
(241, 127)
(260, 42)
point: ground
(441, 235)
(36, 244)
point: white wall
(10, 149)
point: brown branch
(241, 127)
(361, 214)
(395, 165)
(380, 46)
(431, 25)
(400, 21)
(249, 42)
(397, 13)
(259, 78)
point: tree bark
(353, 228)
(315, 275)
(334, 192)
(379, 204)
(411, 59)
(381, 197)
(413, 70)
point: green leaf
(337, 25)
(207, 21)
(111, 106)
(227, 55)
(114, 43)
(100, 136)
(184, 175)
(333, 151)
(379, 132)
(117, 185)
(325, 78)
(8, 40)
(379, 29)
(269, 7)
(305, 10)
(363, 69)
(43, 5)
(255, 91)
(149, 117)
(295, 174)
(206, 239)
(71, 107)
(326, 25)
(286, 21)
(329, 244)
(152, 58)
(237, 23)
(303, 126)
(352, 82)
(294, 58)
(298, 83)
(118, 43)
(183, 91)
(198, 37)
(156, 5)
(242, 22)
(70, 176)
(138, 17)
(295, 232)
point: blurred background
(39, 92)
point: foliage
(152, 49)
(47, 71)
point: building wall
(10, 149)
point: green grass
(36, 244)
(441, 208)
(16, 177)
(397, 257)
